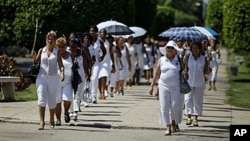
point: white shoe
(105, 93)
(75, 116)
(81, 103)
(86, 104)
(71, 115)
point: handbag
(184, 86)
(34, 68)
(86, 92)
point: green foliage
(29, 94)
(164, 19)
(188, 12)
(247, 61)
(214, 15)
(239, 88)
(182, 19)
(145, 12)
(236, 24)
(17, 18)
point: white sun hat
(169, 44)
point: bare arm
(156, 77)
(36, 57)
(60, 64)
(128, 59)
(104, 51)
(112, 56)
(86, 61)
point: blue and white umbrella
(184, 33)
(210, 33)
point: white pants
(47, 90)
(94, 80)
(213, 74)
(75, 104)
(170, 104)
(194, 101)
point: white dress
(131, 51)
(114, 76)
(138, 50)
(123, 73)
(148, 59)
(214, 65)
(106, 63)
(64, 92)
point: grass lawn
(239, 91)
(27, 95)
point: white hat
(169, 44)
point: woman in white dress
(47, 80)
(139, 52)
(114, 75)
(105, 66)
(64, 92)
(214, 56)
(125, 60)
(130, 45)
(97, 57)
(87, 49)
(81, 61)
(168, 72)
(197, 67)
(148, 59)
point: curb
(109, 126)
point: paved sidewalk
(137, 109)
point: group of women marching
(95, 61)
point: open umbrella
(183, 33)
(210, 33)
(138, 31)
(115, 28)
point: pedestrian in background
(125, 61)
(130, 45)
(106, 67)
(197, 67)
(214, 60)
(114, 76)
(47, 80)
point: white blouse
(170, 71)
(196, 71)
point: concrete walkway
(138, 110)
